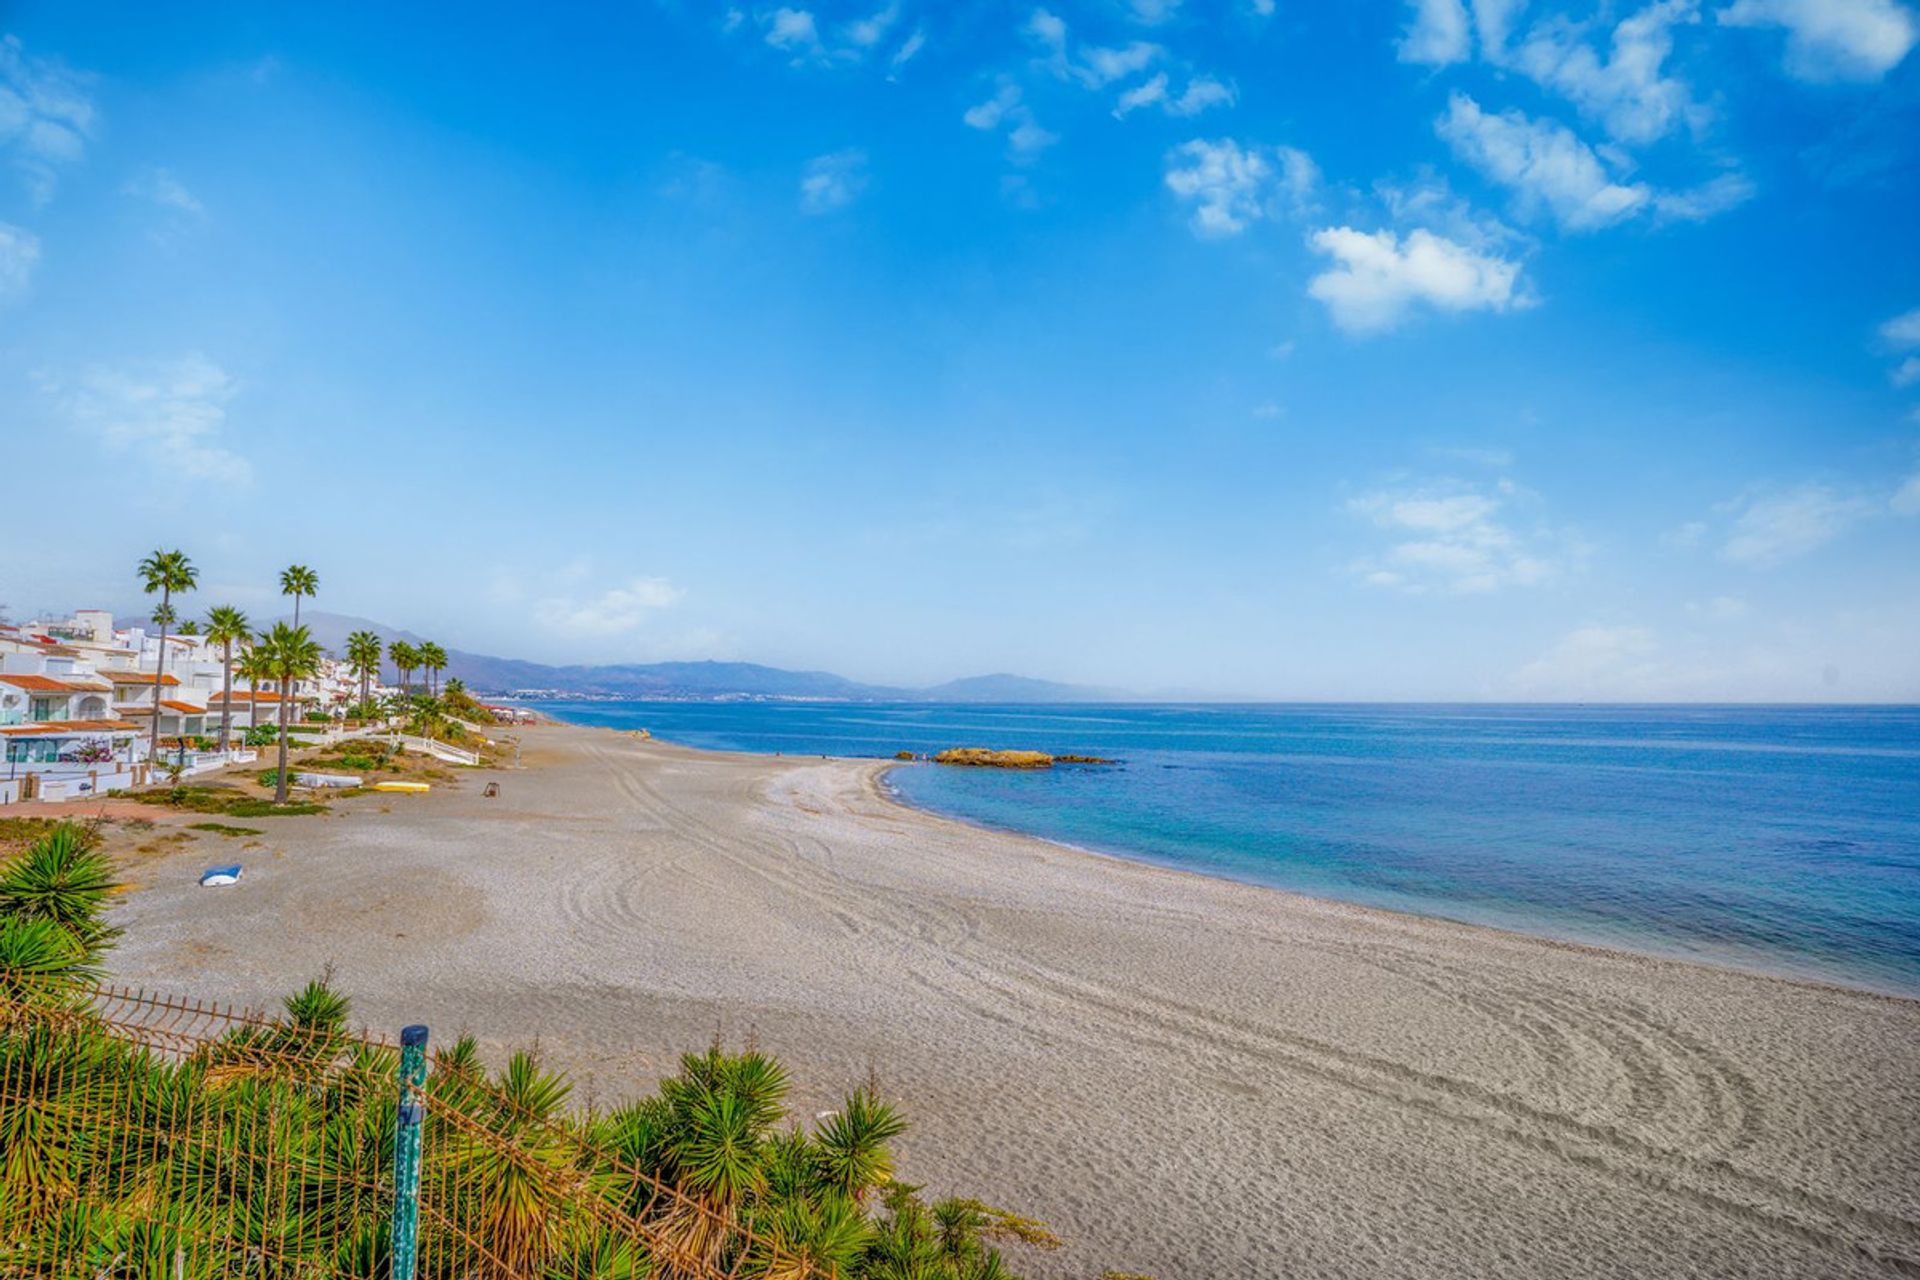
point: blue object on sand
(213, 876)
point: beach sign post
(406, 1150)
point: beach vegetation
(364, 650)
(297, 580)
(227, 627)
(706, 1176)
(290, 655)
(165, 572)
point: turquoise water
(1784, 839)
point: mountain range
(698, 681)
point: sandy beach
(1185, 1077)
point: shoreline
(883, 766)
(1186, 1076)
(1600, 949)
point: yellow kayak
(411, 788)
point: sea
(1782, 839)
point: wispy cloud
(1200, 93)
(1595, 661)
(1449, 537)
(170, 412)
(1627, 91)
(1902, 334)
(1380, 280)
(1834, 39)
(46, 116)
(1548, 167)
(794, 31)
(1006, 111)
(165, 190)
(1231, 186)
(615, 611)
(1543, 162)
(19, 255)
(833, 181)
(1771, 527)
(1437, 35)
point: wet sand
(1186, 1077)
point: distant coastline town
(88, 706)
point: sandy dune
(1187, 1077)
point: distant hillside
(697, 680)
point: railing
(438, 750)
(142, 1135)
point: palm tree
(434, 659)
(405, 659)
(226, 627)
(297, 580)
(165, 572)
(289, 654)
(363, 657)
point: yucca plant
(63, 879)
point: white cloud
(1025, 138)
(1834, 39)
(1231, 186)
(1099, 67)
(1201, 93)
(1906, 373)
(1449, 538)
(1379, 279)
(170, 413)
(19, 254)
(1438, 34)
(46, 116)
(793, 30)
(1709, 199)
(612, 612)
(163, 189)
(1494, 19)
(1145, 94)
(1543, 162)
(1627, 92)
(1906, 499)
(1048, 28)
(1773, 527)
(832, 181)
(908, 48)
(988, 115)
(869, 31)
(1594, 662)
(1548, 166)
(1225, 183)
(1153, 12)
(1903, 331)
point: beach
(1184, 1076)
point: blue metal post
(406, 1151)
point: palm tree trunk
(296, 608)
(226, 695)
(280, 777)
(159, 670)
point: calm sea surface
(1784, 839)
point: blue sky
(1445, 350)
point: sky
(1461, 349)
